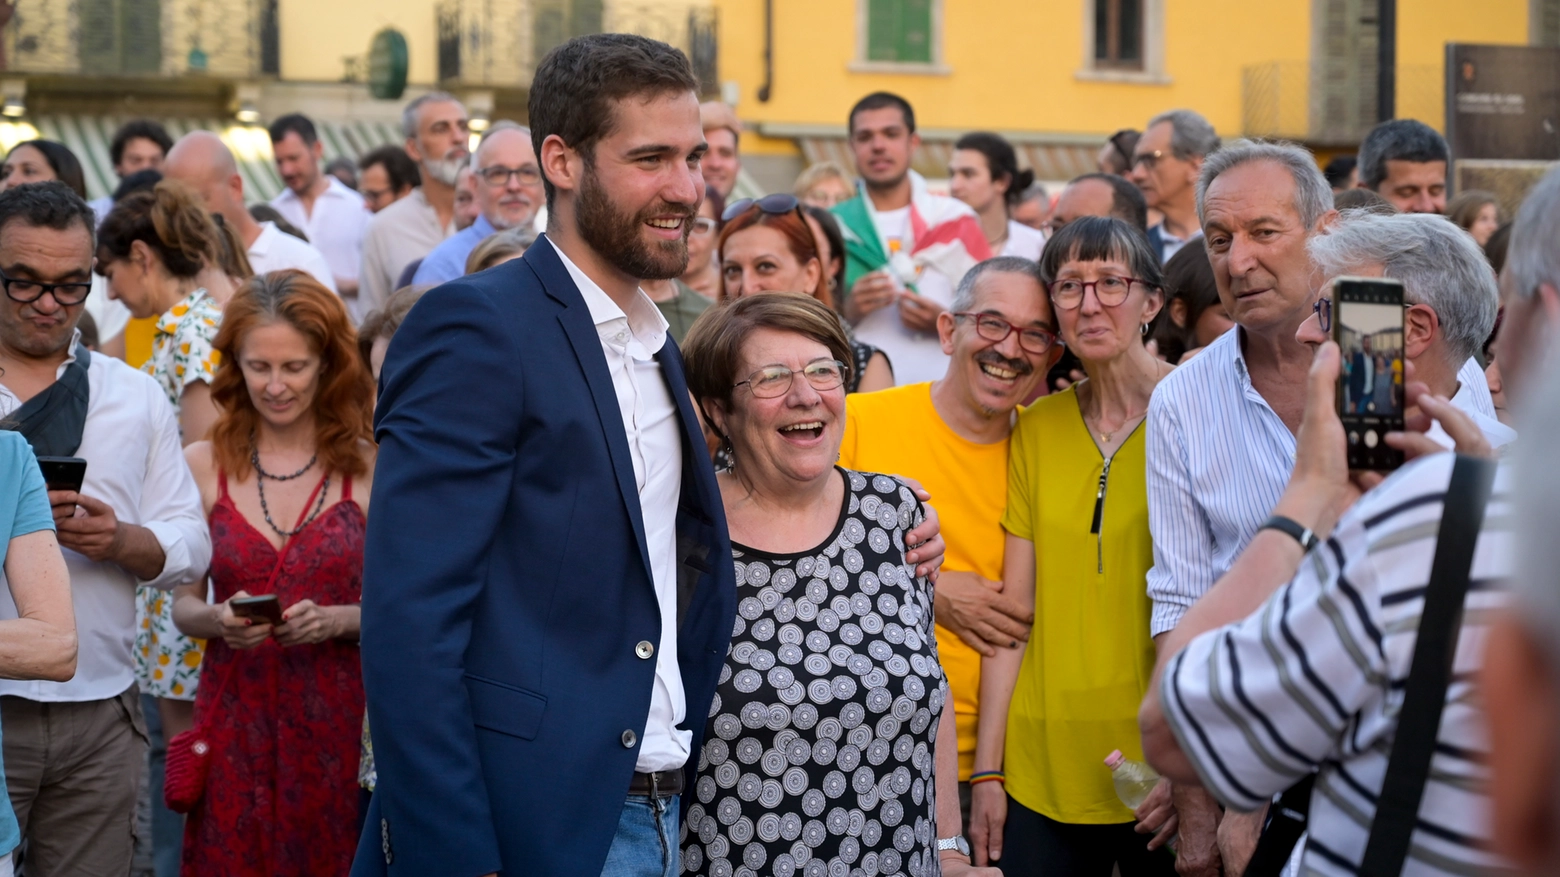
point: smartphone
(264, 608)
(63, 473)
(1367, 323)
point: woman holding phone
(285, 480)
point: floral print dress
(183, 353)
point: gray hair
(1398, 140)
(1313, 196)
(1533, 259)
(1035, 192)
(1191, 136)
(409, 115)
(1438, 263)
(964, 296)
(500, 125)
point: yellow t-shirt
(1090, 655)
(899, 432)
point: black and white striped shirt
(1315, 678)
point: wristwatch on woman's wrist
(957, 842)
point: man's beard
(445, 170)
(616, 236)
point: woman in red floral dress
(285, 480)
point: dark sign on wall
(1503, 102)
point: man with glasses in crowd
(1165, 164)
(508, 184)
(75, 751)
(1221, 428)
(1000, 337)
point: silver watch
(957, 842)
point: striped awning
(89, 137)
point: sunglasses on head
(776, 204)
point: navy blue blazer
(506, 584)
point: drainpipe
(769, 52)
(1386, 60)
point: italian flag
(947, 237)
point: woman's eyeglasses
(994, 328)
(773, 381)
(775, 204)
(1111, 291)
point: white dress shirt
(335, 227)
(276, 250)
(630, 342)
(1473, 388)
(1219, 458)
(135, 463)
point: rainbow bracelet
(988, 776)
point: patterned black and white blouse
(818, 756)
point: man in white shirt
(1449, 296)
(332, 215)
(1221, 428)
(904, 246)
(436, 131)
(1165, 165)
(75, 751)
(202, 161)
(984, 174)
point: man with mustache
(1000, 339)
(508, 188)
(332, 215)
(436, 132)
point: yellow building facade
(1051, 74)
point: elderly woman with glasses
(830, 745)
(1077, 552)
(768, 245)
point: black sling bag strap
(53, 421)
(1435, 647)
(1397, 808)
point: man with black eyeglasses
(508, 183)
(1165, 164)
(1000, 336)
(74, 751)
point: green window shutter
(549, 27)
(899, 31)
(585, 17)
(142, 36)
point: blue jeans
(646, 841)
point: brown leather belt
(661, 784)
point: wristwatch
(1299, 532)
(957, 842)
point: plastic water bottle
(1133, 779)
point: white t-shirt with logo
(916, 357)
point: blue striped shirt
(1219, 458)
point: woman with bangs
(285, 481)
(768, 245)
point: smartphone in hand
(1367, 323)
(264, 609)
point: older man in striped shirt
(1221, 429)
(1296, 660)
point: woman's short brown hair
(713, 348)
(384, 322)
(344, 404)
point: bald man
(508, 184)
(203, 162)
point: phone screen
(1367, 317)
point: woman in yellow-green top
(1077, 547)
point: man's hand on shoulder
(977, 612)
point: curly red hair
(344, 405)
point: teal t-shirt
(24, 508)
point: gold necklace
(1107, 436)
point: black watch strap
(1301, 533)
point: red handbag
(189, 753)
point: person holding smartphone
(285, 481)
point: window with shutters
(1118, 34)
(555, 22)
(121, 36)
(899, 35)
(1544, 22)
